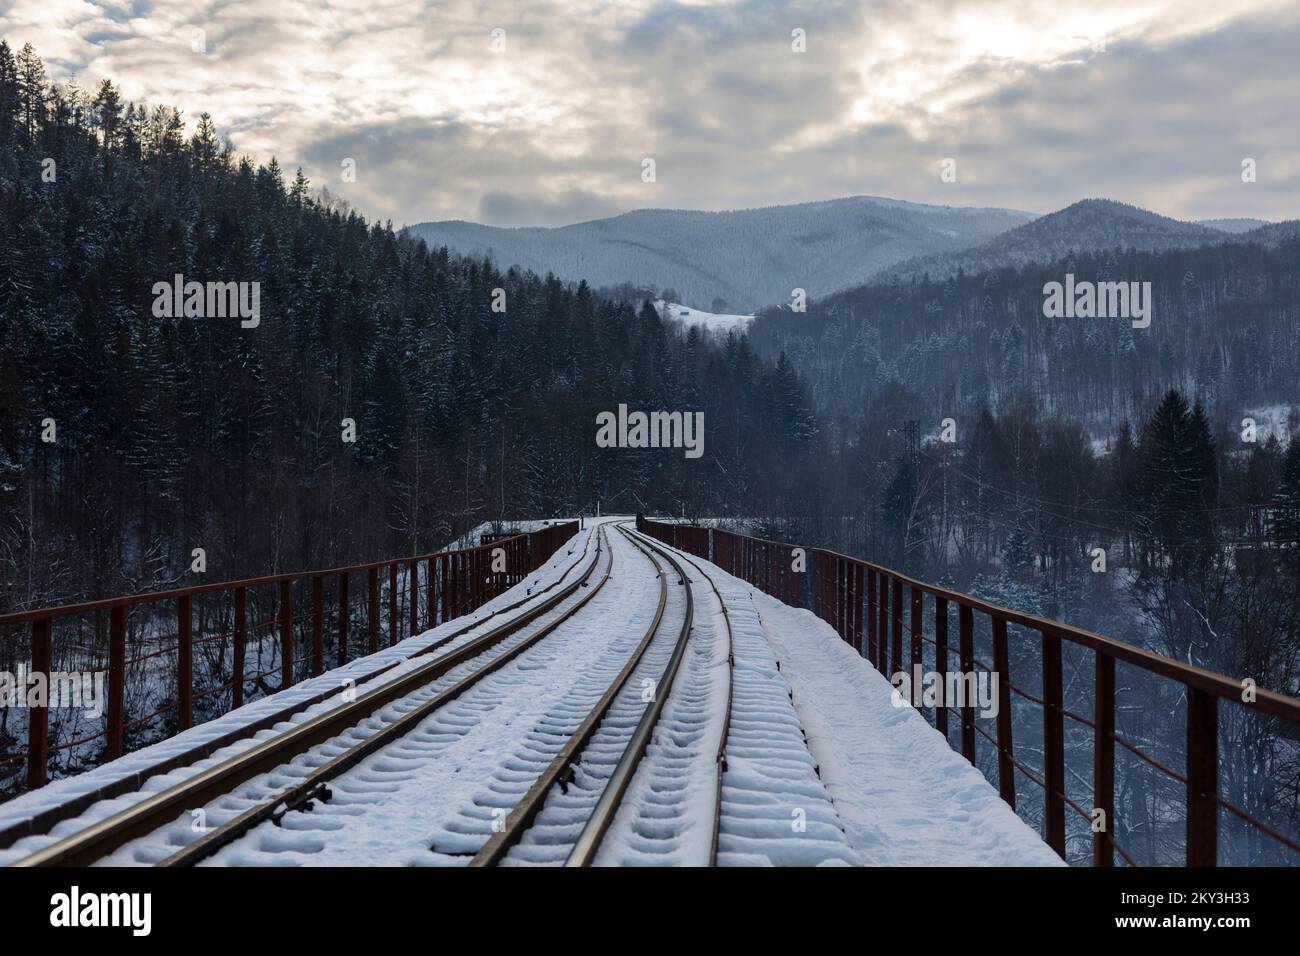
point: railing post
(1103, 760)
(38, 717)
(882, 622)
(1202, 778)
(1053, 745)
(237, 654)
(1001, 665)
(185, 663)
(430, 594)
(858, 573)
(392, 604)
(444, 578)
(966, 648)
(476, 578)
(372, 612)
(918, 648)
(453, 578)
(116, 680)
(941, 664)
(317, 625)
(842, 597)
(896, 605)
(413, 574)
(343, 618)
(873, 652)
(286, 634)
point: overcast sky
(1039, 102)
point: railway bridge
(603, 692)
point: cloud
(1040, 102)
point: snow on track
(775, 808)
(393, 662)
(559, 567)
(905, 796)
(666, 816)
(469, 829)
(428, 799)
(481, 715)
(562, 818)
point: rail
(873, 608)
(240, 623)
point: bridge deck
(904, 796)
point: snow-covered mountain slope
(1089, 224)
(713, 321)
(745, 258)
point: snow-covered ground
(714, 321)
(906, 798)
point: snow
(907, 798)
(904, 797)
(714, 321)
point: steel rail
(101, 838)
(593, 832)
(42, 821)
(313, 786)
(525, 811)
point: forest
(176, 433)
(1225, 327)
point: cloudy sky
(1039, 102)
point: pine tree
(108, 115)
(32, 94)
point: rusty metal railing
(241, 623)
(881, 614)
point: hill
(736, 261)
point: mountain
(1087, 225)
(734, 261)
(1225, 320)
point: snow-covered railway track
(761, 786)
(417, 689)
(47, 818)
(560, 768)
(564, 816)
